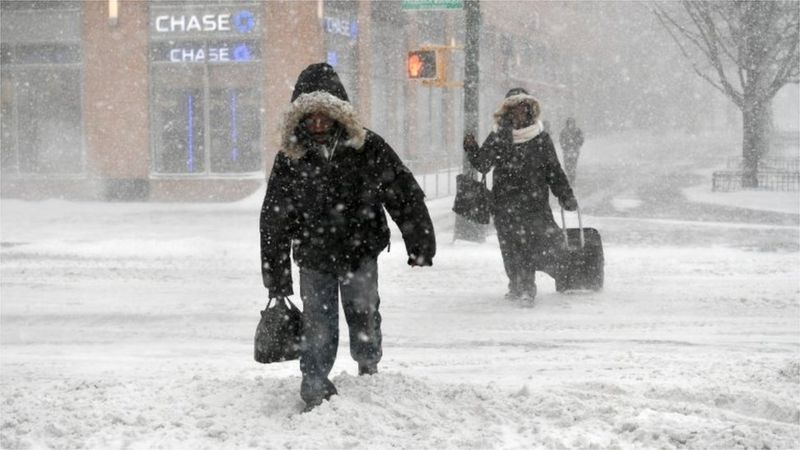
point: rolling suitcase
(580, 261)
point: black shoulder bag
(279, 332)
(473, 199)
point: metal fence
(437, 177)
(768, 180)
(774, 174)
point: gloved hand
(419, 261)
(277, 298)
(278, 294)
(570, 204)
(469, 142)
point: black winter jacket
(524, 173)
(331, 212)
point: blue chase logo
(244, 21)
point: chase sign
(211, 21)
(213, 34)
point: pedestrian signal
(421, 64)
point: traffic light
(421, 65)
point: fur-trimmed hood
(339, 110)
(516, 99)
(318, 89)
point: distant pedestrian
(571, 140)
(325, 202)
(526, 169)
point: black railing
(768, 180)
(435, 176)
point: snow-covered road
(131, 326)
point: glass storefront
(206, 100)
(341, 34)
(42, 82)
(388, 76)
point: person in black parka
(325, 203)
(526, 169)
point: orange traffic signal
(422, 64)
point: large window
(341, 34)
(388, 76)
(206, 88)
(42, 128)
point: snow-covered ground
(130, 325)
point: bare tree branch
(691, 36)
(759, 40)
(722, 40)
(787, 73)
(700, 14)
(667, 20)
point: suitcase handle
(564, 227)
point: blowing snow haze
(137, 139)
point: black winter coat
(333, 211)
(523, 176)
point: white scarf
(528, 133)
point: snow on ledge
(782, 202)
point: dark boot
(515, 289)
(315, 391)
(529, 293)
(367, 369)
(528, 288)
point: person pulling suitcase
(526, 169)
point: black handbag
(279, 332)
(473, 199)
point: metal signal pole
(464, 229)
(472, 9)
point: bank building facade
(181, 100)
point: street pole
(471, 70)
(465, 229)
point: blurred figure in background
(526, 169)
(571, 140)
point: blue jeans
(319, 292)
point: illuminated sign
(207, 22)
(242, 52)
(343, 27)
(239, 53)
(333, 59)
(199, 54)
(422, 64)
(243, 21)
(206, 52)
(207, 34)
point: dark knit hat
(516, 91)
(319, 77)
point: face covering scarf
(526, 134)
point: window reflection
(207, 97)
(42, 120)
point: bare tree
(746, 49)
